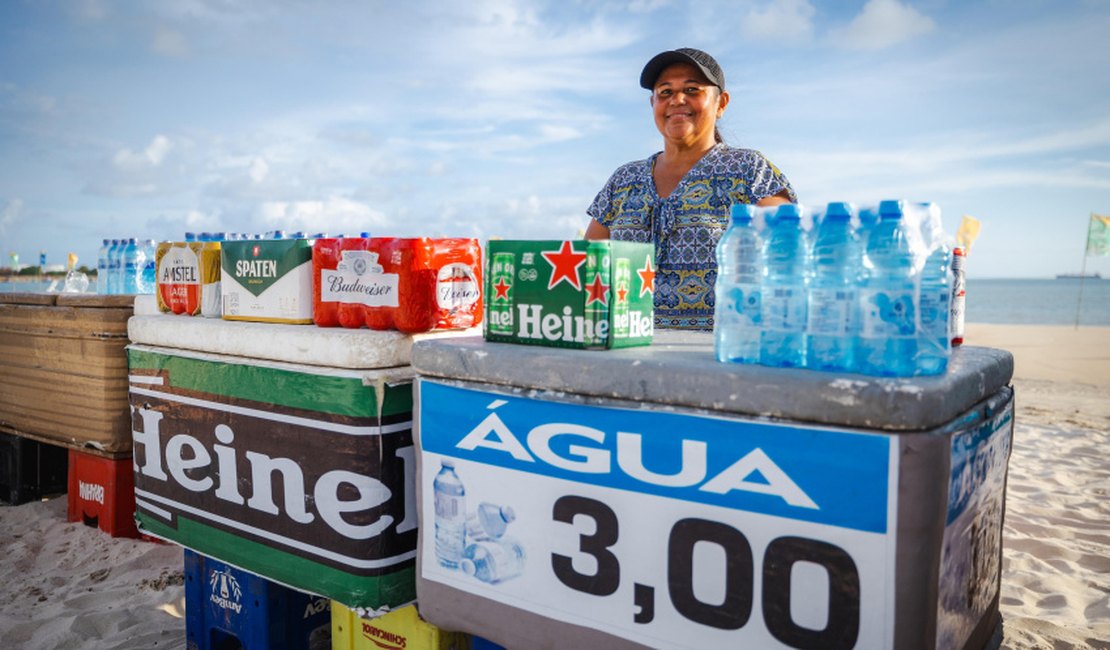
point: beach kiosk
(658, 498)
(285, 451)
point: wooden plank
(28, 298)
(117, 455)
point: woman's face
(686, 105)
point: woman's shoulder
(633, 171)
(739, 155)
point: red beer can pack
(408, 284)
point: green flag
(1098, 236)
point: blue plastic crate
(228, 608)
(478, 643)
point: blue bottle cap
(890, 209)
(788, 211)
(838, 210)
(742, 212)
(364, 234)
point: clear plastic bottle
(148, 280)
(133, 261)
(737, 318)
(832, 324)
(115, 266)
(888, 336)
(782, 341)
(490, 521)
(102, 266)
(450, 515)
(493, 561)
(933, 343)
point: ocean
(1019, 302)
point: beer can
(622, 280)
(597, 295)
(502, 269)
(956, 313)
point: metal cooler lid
(680, 369)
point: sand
(67, 585)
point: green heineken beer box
(570, 294)
(303, 475)
(267, 280)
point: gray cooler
(652, 497)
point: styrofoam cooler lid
(680, 369)
(331, 347)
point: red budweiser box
(407, 284)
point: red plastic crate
(102, 493)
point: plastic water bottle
(133, 262)
(493, 561)
(737, 318)
(888, 337)
(936, 291)
(490, 521)
(782, 341)
(832, 326)
(115, 266)
(102, 266)
(148, 278)
(450, 518)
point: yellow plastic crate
(402, 629)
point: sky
(504, 118)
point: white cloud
(778, 20)
(881, 24)
(335, 215)
(259, 170)
(168, 42)
(152, 156)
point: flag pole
(1083, 271)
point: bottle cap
(448, 462)
(508, 514)
(788, 211)
(742, 212)
(838, 210)
(468, 567)
(890, 210)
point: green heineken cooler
(570, 294)
(298, 467)
(655, 498)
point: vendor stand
(663, 499)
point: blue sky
(504, 118)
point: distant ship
(1079, 276)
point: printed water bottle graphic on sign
(494, 561)
(450, 515)
(488, 522)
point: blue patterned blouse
(685, 226)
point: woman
(679, 198)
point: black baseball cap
(697, 58)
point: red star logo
(597, 290)
(647, 279)
(502, 289)
(564, 265)
(622, 294)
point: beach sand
(67, 585)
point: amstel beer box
(728, 506)
(570, 294)
(267, 280)
(188, 278)
(296, 473)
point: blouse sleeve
(601, 210)
(766, 180)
